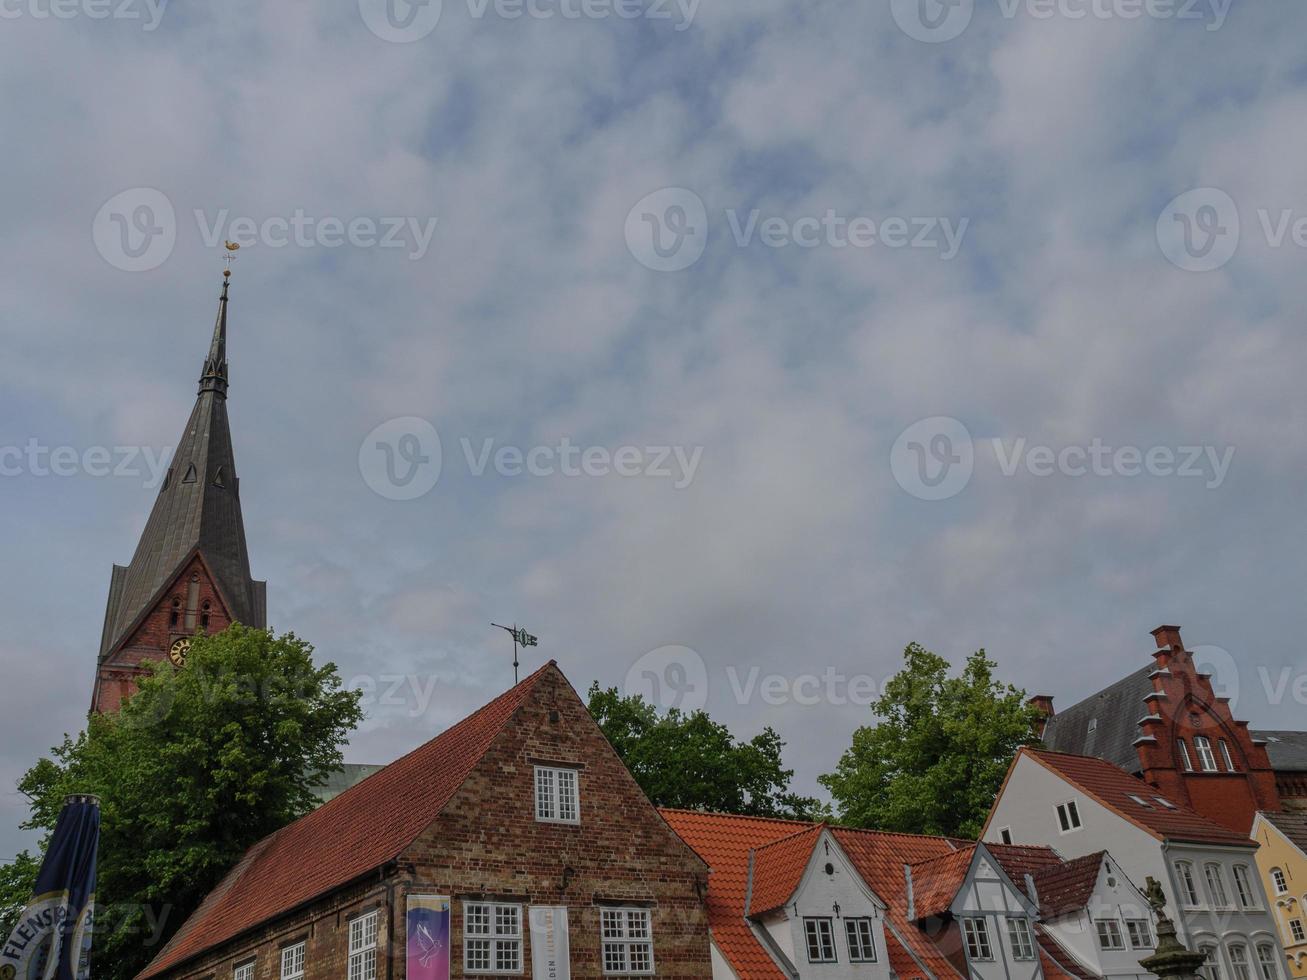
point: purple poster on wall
(428, 937)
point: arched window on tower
(204, 615)
(175, 613)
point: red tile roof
(1114, 787)
(355, 833)
(936, 882)
(1068, 888)
(778, 868)
(724, 842)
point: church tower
(191, 570)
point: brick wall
(487, 844)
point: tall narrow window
(1212, 968)
(1184, 755)
(292, 962)
(175, 614)
(492, 938)
(1281, 884)
(363, 947)
(861, 939)
(1243, 886)
(1005, 835)
(627, 941)
(1239, 961)
(205, 608)
(1021, 938)
(192, 602)
(1206, 759)
(1216, 885)
(1266, 961)
(557, 799)
(1184, 870)
(977, 935)
(1225, 756)
(820, 939)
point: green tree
(17, 879)
(200, 763)
(692, 762)
(936, 759)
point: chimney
(1043, 703)
(1168, 636)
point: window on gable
(820, 940)
(976, 932)
(1239, 961)
(1225, 756)
(1068, 816)
(627, 941)
(363, 947)
(1184, 755)
(1266, 961)
(1005, 835)
(1206, 759)
(243, 971)
(492, 937)
(1020, 938)
(1281, 883)
(1109, 934)
(1296, 931)
(1243, 886)
(1216, 885)
(861, 939)
(1140, 932)
(292, 962)
(1184, 870)
(557, 795)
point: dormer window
(557, 795)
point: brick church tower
(191, 570)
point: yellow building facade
(1282, 862)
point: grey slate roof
(1288, 750)
(1116, 711)
(197, 511)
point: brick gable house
(520, 807)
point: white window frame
(1268, 965)
(1206, 757)
(1213, 964)
(1184, 755)
(860, 937)
(1216, 889)
(243, 971)
(1225, 755)
(1021, 938)
(625, 936)
(292, 956)
(558, 795)
(1280, 881)
(495, 936)
(1005, 834)
(976, 931)
(1140, 933)
(819, 937)
(1068, 817)
(1239, 961)
(1184, 870)
(1110, 937)
(362, 964)
(1296, 932)
(1243, 887)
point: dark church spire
(197, 514)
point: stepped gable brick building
(521, 808)
(790, 900)
(1165, 724)
(191, 569)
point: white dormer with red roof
(1080, 806)
(811, 909)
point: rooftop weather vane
(230, 257)
(521, 638)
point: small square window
(557, 795)
(1296, 931)
(1068, 816)
(820, 939)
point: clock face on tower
(178, 652)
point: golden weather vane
(230, 257)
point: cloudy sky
(759, 338)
